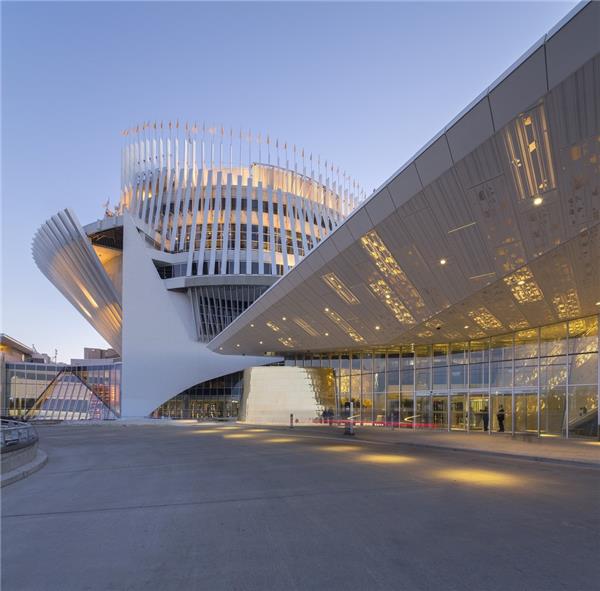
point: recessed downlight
(443, 261)
(538, 200)
(378, 327)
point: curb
(25, 470)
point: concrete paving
(226, 507)
(523, 446)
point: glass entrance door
(479, 416)
(501, 412)
(440, 411)
(458, 411)
(526, 412)
(424, 419)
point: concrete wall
(272, 393)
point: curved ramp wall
(65, 255)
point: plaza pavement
(169, 505)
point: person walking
(500, 416)
(486, 418)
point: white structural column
(249, 195)
(215, 223)
(271, 231)
(161, 353)
(226, 226)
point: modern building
(206, 223)
(34, 387)
(465, 289)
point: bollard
(291, 420)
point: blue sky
(363, 84)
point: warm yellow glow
(347, 328)
(287, 342)
(238, 436)
(389, 267)
(339, 448)
(567, 304)
(306, 327)
(484, 318)
(207, 431)
(89, 297)
(230, 427)
(280, 440)
(273, 326)
(523, 286)
(257, 430)
(84, 310)
(528, 145)
(385, 293)
(384, 459)
(478, 477)
(340, 288)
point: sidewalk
(543, 449)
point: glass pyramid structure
(68, 397)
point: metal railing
(15, 435)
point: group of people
(500, 416)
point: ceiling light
(597, 303)
(237, 345)
(340, 288)
(220, 348)
(284, 318)
(443, 261)
(388, 266)
(466, 326)
(327, 334)
(306, 327)
(251, 325)
(485, 319)
(260, 342)
(377, 327)
(385, 293)
(523, 286)
(538, 200)
(345, 326)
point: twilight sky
(362, 84)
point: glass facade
(542, 381)
(24, 383)
(215, 399)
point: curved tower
(227, 216)
(206, 222)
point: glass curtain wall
(215, 399)
(24, 383)
(541, 381)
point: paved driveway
(184, 506)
